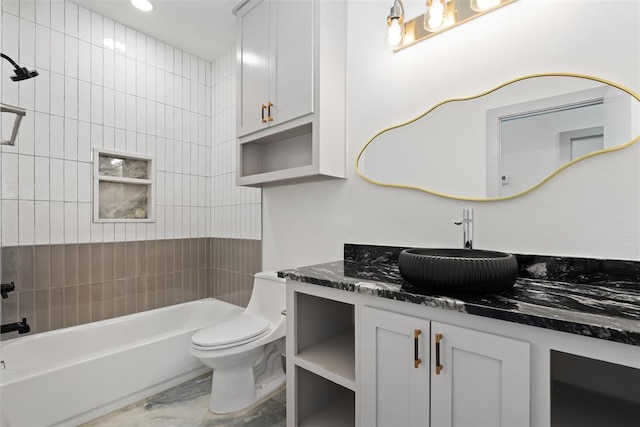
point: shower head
(21, 72)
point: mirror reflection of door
(536, 143)
(582, 142)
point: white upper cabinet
(291, 90)
(275, 48)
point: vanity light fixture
(440, 15)
(395, 24)
(143, 5)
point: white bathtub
(72, 375)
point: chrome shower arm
(20, 113)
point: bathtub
(73, 375)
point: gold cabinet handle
(269, 105)
(416, 359)
(262, 119)
(438, 365)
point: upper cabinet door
(253, 52)
(394, 387)
(275, 53)
(484, 379)
(292, 46)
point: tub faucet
(467, 228)
(21, 327)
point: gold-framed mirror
(506, 141)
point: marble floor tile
(186, 405)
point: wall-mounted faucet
(467, 228)
(5, 288)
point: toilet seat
(231, 332)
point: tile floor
(186, 405)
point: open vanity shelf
(589, 392)
(332, 358)
(323, 403)
(324, 361)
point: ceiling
(204, 28)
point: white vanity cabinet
(466, 377)
(354, 359)
(291, 90)
(351, 361)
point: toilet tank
(268, 297)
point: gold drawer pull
(438, 365)
(269, 105)
(416, 359)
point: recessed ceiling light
(143, 5)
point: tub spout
(21, 327)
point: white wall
(591, 210)
(151, 99)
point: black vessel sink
(469, 271)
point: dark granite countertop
(595, 298)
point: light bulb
(437, 8)
(481, 5)
(435, 22)
(394, 35)
(434, 18)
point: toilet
(245, 351)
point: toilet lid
(237, 330)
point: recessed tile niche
(123, 187)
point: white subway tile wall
(237, 211)
(105, 85)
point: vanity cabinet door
(394, 388)
(483, 380)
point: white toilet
(245, 351)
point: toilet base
(239, 387)
(230, 416)
(265, 394)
